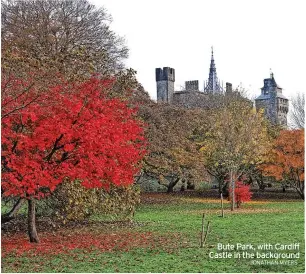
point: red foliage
(64, 242)
(71, 131)
(57, 244)
(242, 193)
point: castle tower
(273, 102)
(165, 79)
(213, 84)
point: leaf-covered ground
(63, 242)
(163, 238)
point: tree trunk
(260, 181)
(250, 180)
(31, 222)
(221, 185)
(11, 215)
(225, 190)
(171, 185)
(233, 191)
(170, 188)
(301, 189)
(301, 192)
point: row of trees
(228, 142)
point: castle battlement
(192, 85)
(165, 74)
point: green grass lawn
(165, 238)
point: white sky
(249, 38)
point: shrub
(73, 202)
(242, 193)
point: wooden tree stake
(202, 233)
(222, 207)
(207, 231)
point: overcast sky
(249, 38)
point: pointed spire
(213, 85)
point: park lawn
(165, 238)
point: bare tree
(297, 113)
(70, 36)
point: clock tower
(273, 102)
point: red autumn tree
(242, 193)
(71, 131)
(286, 160)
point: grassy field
(165, 238)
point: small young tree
(73, 132)
(236, 139)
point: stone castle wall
(282, 107)
(189, 98)
(275, 109)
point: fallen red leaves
(18, 244)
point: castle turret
(165, 79)
(273, 102)
(229, 88)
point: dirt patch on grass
(212, 196)
(218, 201)
(201, 200)
(238, 211)
(164, 198)
(267, 194)
(159, 198)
